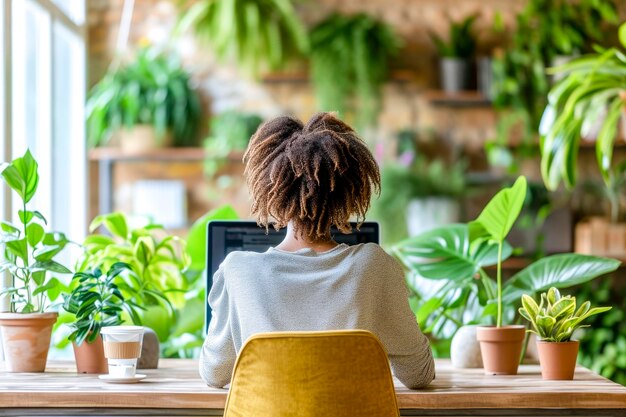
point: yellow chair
(312, 374)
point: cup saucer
(122, 379)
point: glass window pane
(68, 150)
(74, 9)
(31, 92)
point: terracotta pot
(558, 359)
(90, 357)
(26, 340)
(501, 348)
(142, 139)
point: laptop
(225, 236)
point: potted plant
(146, 103)
(95, 301)
(349, 64)
(451, 287)
(590, 96)
(456, 55)
(155, 285)
(260, 36)
(29, 258)
(424, 193)
(229, 131)
(554, 321)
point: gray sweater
(347, 287)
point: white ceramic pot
(465, 349)
(424, 214)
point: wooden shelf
(162, 154)
(156, 155)
(460, 99)
(397, 76)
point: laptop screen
(228, 236)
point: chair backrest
(305, 374)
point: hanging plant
(349, 60)
(259, 35)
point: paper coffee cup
(122, 348)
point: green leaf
(500, 213)
(35, 233)
(197, 238)
(553, 295)
(622, 34)
(545, 325)
(21, 175)
(113, 222)
(52, 266)
(560, 271)
(531, 308)
(563, 308)
(19, 248)
(25, 216)
(445, 253)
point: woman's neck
(293, 242)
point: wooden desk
(176, 390)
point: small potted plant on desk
(28, 252)
(554, 321)
(96, 301)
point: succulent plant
(556, 317)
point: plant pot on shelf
(428, 213)
(501, 348)
(558, 359)
(90, 357)
(141, 139)
(455, 74)
(26, 340)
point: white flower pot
(424, 214)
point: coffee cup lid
(121, 329)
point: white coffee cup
(122, 348)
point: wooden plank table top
(176, 385)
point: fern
(259, 35)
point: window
(45, 85)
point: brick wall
(405, 104)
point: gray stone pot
(485, 77)
(149, 358)
(455, 74)
(465, 349)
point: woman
(308, 178)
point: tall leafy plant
(259, 35)
(545, 29)
(29, 250)
(456, 257)
(349, 63)
(593, 89)
(157, 261)
(152, 89)
(494, 224)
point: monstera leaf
(446, 253)
(559, 271)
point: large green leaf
(114, 222)
(446, 253)
(560, 271)
(197, 238)
(500, 213)
(21, 175)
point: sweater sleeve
(409, 350)
(218, 354)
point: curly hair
(316, 175)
